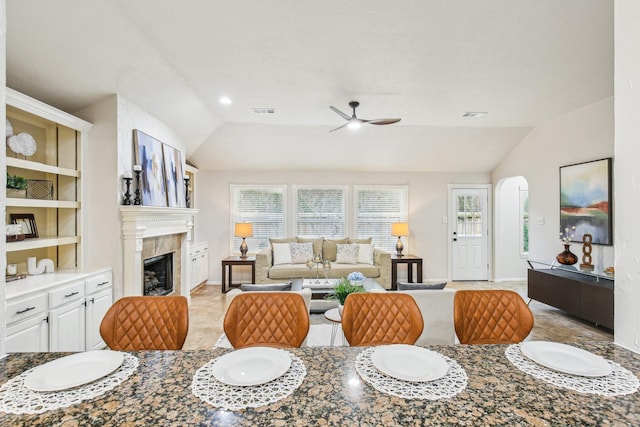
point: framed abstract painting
(174, 177)
(585, 200)
(149, 155)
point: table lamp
(243, 230)
(399, 229)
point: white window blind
(262, 206)
(320, 212)
(376, 208)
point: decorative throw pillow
(329, 248)
(281, 253)
(317, 244)
(406, 286)
(301, 252)
(346, 254)
(266, 287)
(365, 254)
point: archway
(511, 229)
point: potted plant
(341, 291)
(17, 185)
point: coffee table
(320, 293)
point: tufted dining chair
(146, 323)
(272, 319)
(378, 318)
(491, 317)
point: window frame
(384, 242)
(345, 214)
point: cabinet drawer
(66, 294)
(25, 308)
(98, 283)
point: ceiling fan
(355, 122)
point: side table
(229, 262)
(410, 260)
(333, 315)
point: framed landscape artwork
(174, 177)
(149, 155)
(585, 200)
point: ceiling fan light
(354, 125)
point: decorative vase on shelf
(567, 257)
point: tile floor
(208, 306)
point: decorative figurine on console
(45, 265)
(186, 191)
(586, 253)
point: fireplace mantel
(141, 222)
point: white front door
(469, 233)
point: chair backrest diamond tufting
(381, 318)
(272, 319)
(146, 323)
(491, 317)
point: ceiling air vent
(264, 110)
(474, 114)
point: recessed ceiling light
(225, 100)
(474, 114)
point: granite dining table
(333, 394)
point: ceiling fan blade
(340, 127)
(340, 113)
(382, 121)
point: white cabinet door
(204, 267)
(97, 306)
(29, 335)
(67, 327)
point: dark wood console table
(588, 297)
(227, 265)
(410, 261)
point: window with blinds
(320, 212)
(376, 207)
(262, 206)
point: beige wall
(581, 135)
(427, 207)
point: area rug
(318, 336)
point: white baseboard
(511, 279)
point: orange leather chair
(272, 319)
(381, 318)
(491, 317)
(146, 323)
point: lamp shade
(243, 229)
(400, 229)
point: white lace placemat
(16, 398)
(227, 397)
(446, 387)
(619, 382)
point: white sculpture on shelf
(22, 143)
(45, 265)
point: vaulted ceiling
(425, 61)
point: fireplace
(158, 275)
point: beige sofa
(267, 272)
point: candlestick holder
(137, 200)
(127, 195)
(187, 200)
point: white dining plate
(566, 358)
(74, 370)
(251, 366)
(409, 363)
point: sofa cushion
(406, 286)
(365, 253)
(365, 241)
(301, 252)
(289, 271)
(317, 244)
(285, 240)
(281, 253)
(248, 287)
(347, 254)
(329, 248)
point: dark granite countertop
(498, 394)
